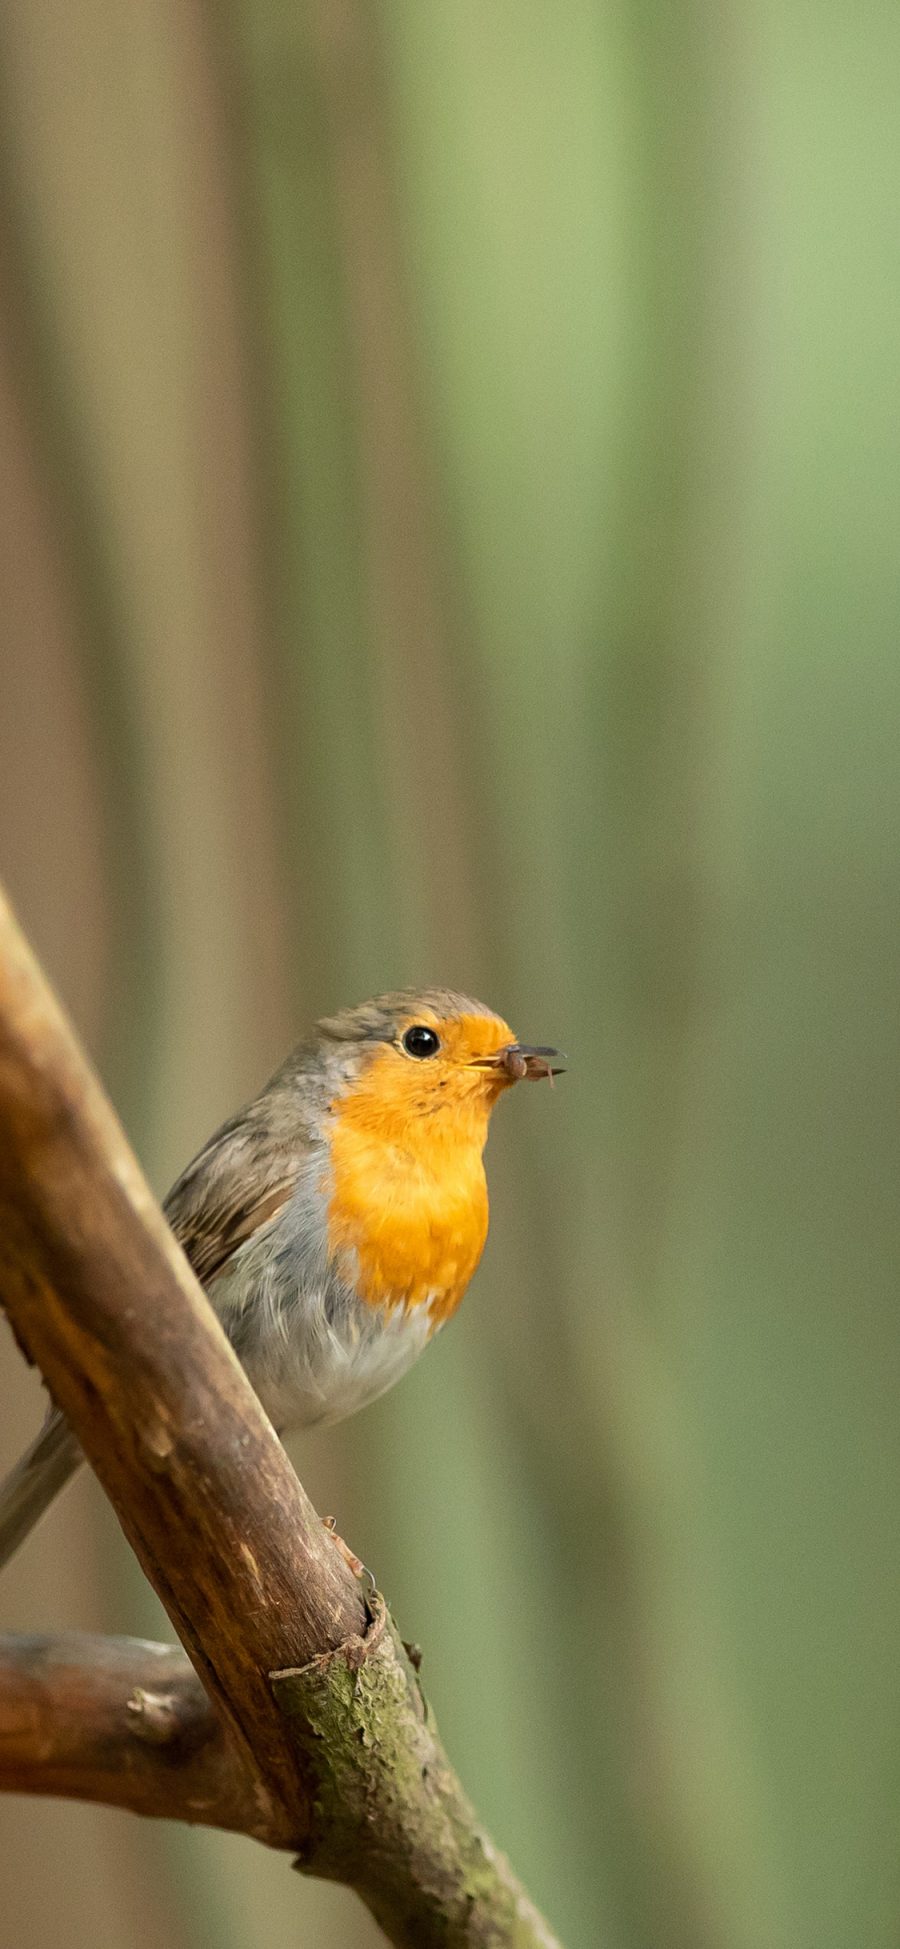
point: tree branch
(100, 1296)
(321, 1712)
(122, 1722)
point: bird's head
(431, 1055)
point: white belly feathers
(317, 1353)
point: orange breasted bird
(336, 1221)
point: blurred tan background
(449, 473)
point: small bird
(336, 1221)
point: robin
(336, 1221)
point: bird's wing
(239, 1180)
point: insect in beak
(521, 1062)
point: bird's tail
(38, 1476)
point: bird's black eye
(421, 1042)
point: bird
(336, 1220)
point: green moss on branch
(385, 1799)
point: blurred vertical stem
(33, 329)
(679, 590)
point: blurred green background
(449, 460)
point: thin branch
(122, 1722)
(319, 1705)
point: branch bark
(122, 1722)
(322, 1720)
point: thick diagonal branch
(102, 1299)
(319, 1708)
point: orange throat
(408, 1211)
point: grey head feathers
(379, 1020)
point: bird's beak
(520, 1062)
